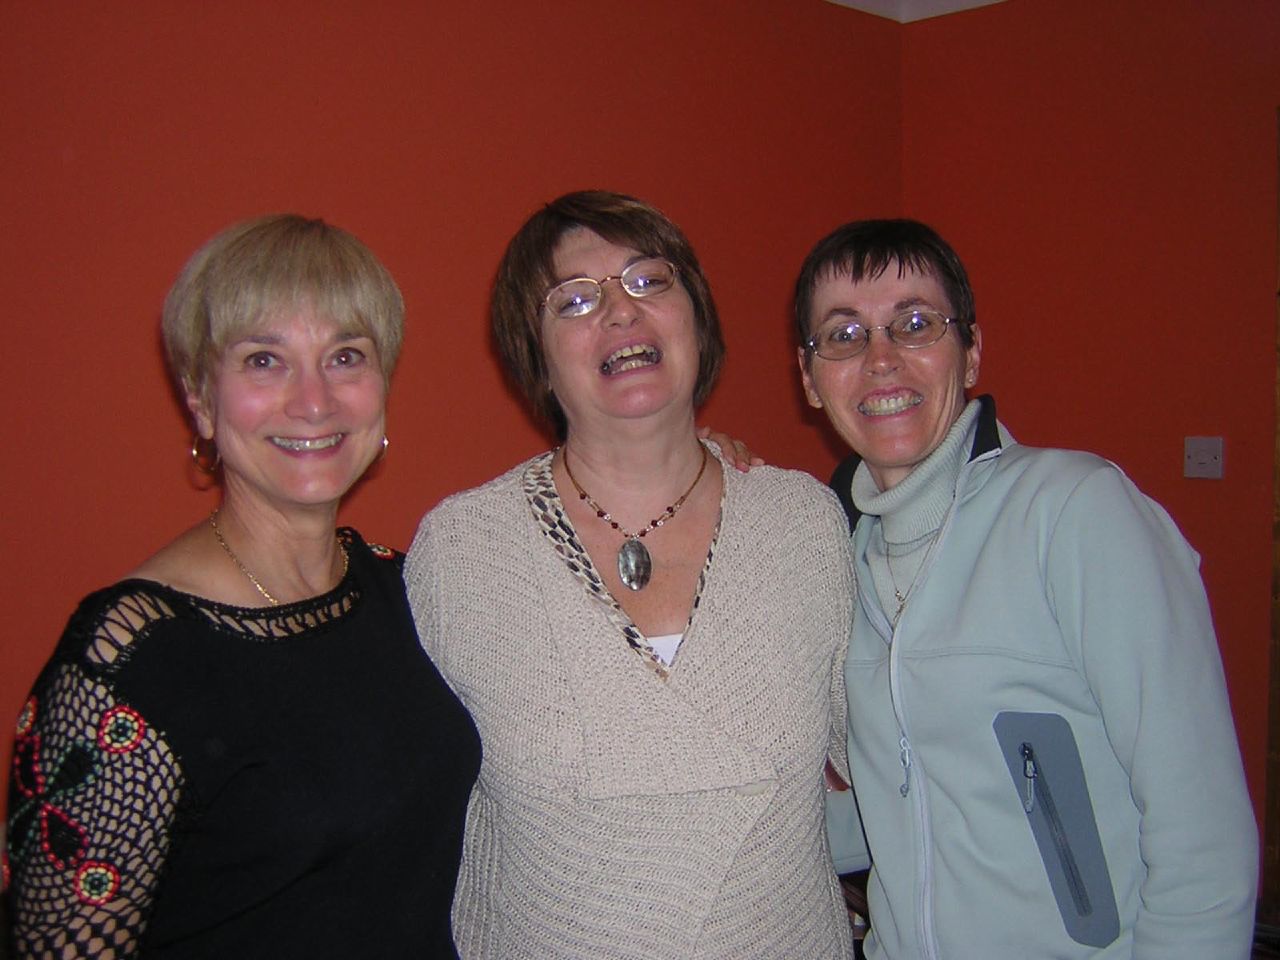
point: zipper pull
(1029, 772)
(904, 757)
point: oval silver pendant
(634, 564)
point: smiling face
(891, 404)
(296, 408)
(629, 358)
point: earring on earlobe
(385, 442)
(206, 459)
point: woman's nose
(311, 397)
(882, 353)
(617, 306)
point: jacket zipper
(919, 802)
(928, 936)
(1038, 786)
(924, 919)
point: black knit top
(192, 779)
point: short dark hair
(527, 272)
(864, 249)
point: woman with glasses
(651, 644)
(1043, 754)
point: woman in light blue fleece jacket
(1042, 750)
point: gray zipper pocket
(1048, 777)
(1038, 788)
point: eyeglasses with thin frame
(848, 338)
(582, 295)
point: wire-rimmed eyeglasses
(582, 295)
(913, 329)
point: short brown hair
(527, 272)
(278, 262)
(865, 249)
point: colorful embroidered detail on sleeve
(93, 793)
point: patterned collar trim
(548, 511)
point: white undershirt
(666, 647)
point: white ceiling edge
(904, 11)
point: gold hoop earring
(206, 460)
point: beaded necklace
(635, 565)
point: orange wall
(1108, 169)
(130, 133)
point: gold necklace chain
(217, 533)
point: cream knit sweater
(619, 814)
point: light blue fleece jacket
(1042, 751)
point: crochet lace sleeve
(92, 796)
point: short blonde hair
(259, 267)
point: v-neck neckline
(549, 513)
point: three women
(232, 749)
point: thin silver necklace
(902, 596)
(217, 533)
(635, 565)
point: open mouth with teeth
(307, 444)
(630, 358)
(889, 404)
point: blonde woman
(240, 750)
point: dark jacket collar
(986, 439)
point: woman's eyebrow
(261, 339)
(908, 302)
(841, 313)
